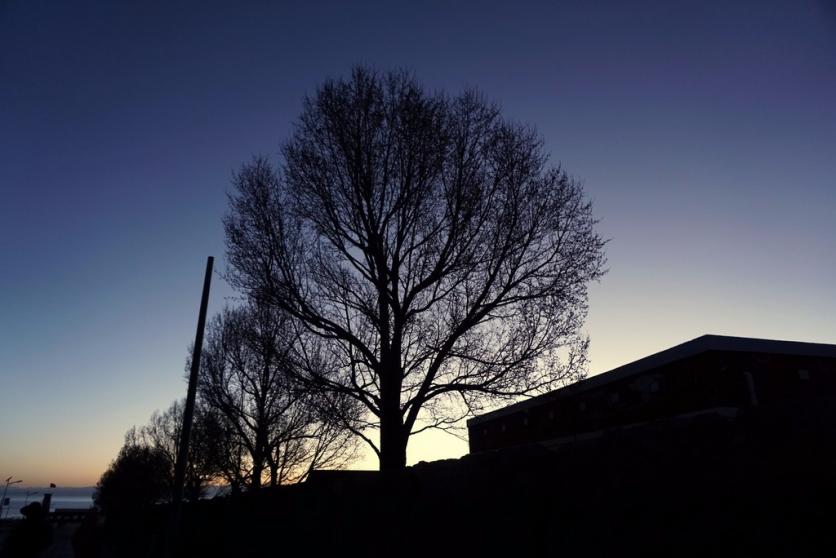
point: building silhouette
(711, 379)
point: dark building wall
(713, 381)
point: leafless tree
(429, 244)
(272, 428)
(162, 433)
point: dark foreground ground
(715, 487)
(750, 486)
(61, 538)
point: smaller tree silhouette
(138, 478)
(272, 429)
(163, 431)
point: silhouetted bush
(138, 478)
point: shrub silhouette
(138, 478)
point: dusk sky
(703, 131)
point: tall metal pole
(188, 413)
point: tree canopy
(435, 257)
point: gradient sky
(704, 131)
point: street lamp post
(9, 482)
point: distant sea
(75, 497)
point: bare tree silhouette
(273, 427)
(162, 432)
(427, 242)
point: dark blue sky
(704, 131)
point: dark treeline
(254, 424)
(747, 488)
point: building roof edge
(696, 346)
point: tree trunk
(258, 469)
(393, 440)
(274, 472)
(261, 453)
(393, 435)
